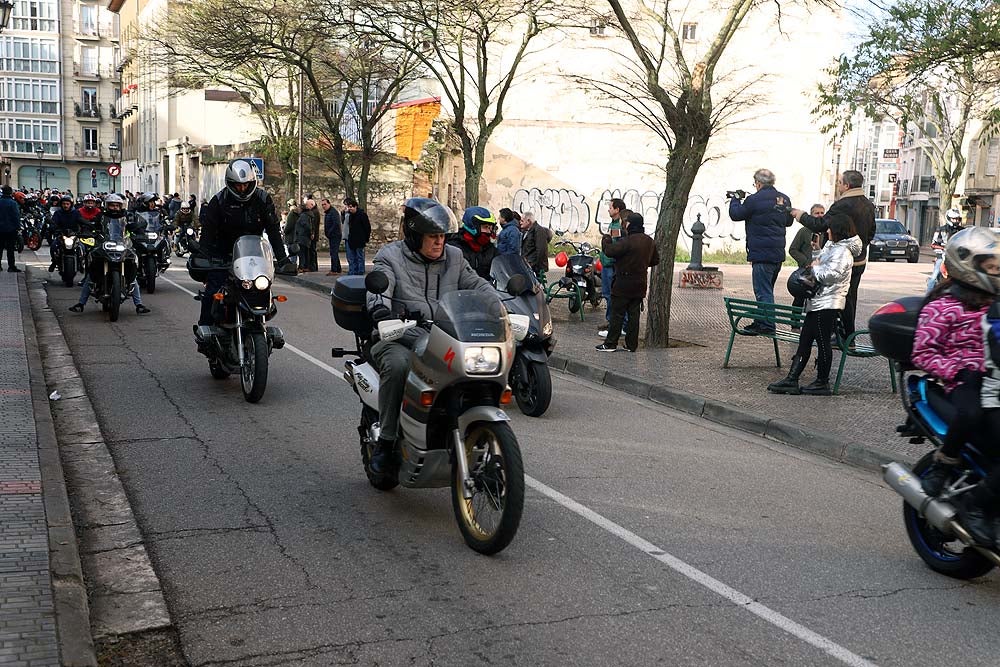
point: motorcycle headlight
(482, 360)
(547, 329)
(68, 241)
(190, 232)
(151, 236)
(261, 283)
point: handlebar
(583, 248)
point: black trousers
(8, 241)
(851, 307)
(818, 328)
(313, 256)
(968, 417)
(992, 485)
(213, 283)
(620, 307)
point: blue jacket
(10, 215)
(509, 239)
(331, 226)
(765, 226)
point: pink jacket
(948, 339)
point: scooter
(529, 374)
(453, 429)
(932, 523)
(582, 280)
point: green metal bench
(743, 312)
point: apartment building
(873, 148)
(58, 88)
(982, 182)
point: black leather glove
(967, 375)
(380, 312)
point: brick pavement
(27, 616)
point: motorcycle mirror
(376, 282)
(517, 285)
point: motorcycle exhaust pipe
(902, 480)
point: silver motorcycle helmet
(972, 257)
(241, 180)
(114, 206)
(425, 216)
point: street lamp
(115, 152)
(40, 151)
(6, 8)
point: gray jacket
(417, 283)
(833, 272)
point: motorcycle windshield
(116, 229)
(252, 258)
(505, 267)
(471, 316)
(152, 219)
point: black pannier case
(892, 328)
(348, 300)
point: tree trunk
(682, 167)
(366, 168)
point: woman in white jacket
(832, 272)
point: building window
(90, 141)
(29, 95)
(41, 15)
(992, 155)
(597, 27)
(973, 156)
(88, 20)
(88, 60)
(89, 100)
(24, 135)
(29, 54)
(689, 32)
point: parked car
(893, 241)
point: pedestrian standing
(509, 238)
(357, 233)
(10, 220)
(535, 244)
(312, 215)
(633, 256)
(333, 233)
(619, 214)
(805, 242)
(303, 237)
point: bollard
(697, 234)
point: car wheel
(914, 259)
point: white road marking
(739, 599)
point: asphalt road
(648, 536)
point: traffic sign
(113, 170)
(258, 166)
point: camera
(736, 194)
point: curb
(308, 284)
(69, 592)
(125, 595)
(779, 430)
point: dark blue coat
(10, 215)
(331, 226)
(765, 226)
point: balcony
(85, 74)
(904, 188)
(90, 154)
(928, 184)
(86, 112)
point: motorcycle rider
(113, 223)
(90, 212)
(65, 219)
(239, 209)
(475, 239)
(185, 217)
(952, 226)
(420, 268)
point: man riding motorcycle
(90, 212)
(420, 269)
(475, 239)
(953, 225)
(241, 208)
(66, 218)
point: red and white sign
(114, 170)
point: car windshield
(505, 267)
(252, 257)
(889, 227)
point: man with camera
(765, 229)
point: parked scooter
(453, 431)
(582, 280)
(931, 522)
(529, 374)
(151, 247)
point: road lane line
(739, 599)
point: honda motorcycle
(529, 376)
(152, 248)
(239, 341)
(932, 523)
(111, 269)
(453, 430)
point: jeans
(213, 283)
(335, 256)
(607, 277)
(355, 260)
(7, 242)
(851, 305)
(765, 275)
(88, 288)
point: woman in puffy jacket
(832, 272)
(948, 341)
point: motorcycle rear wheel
(115, 296)
(380, 482)
(942, 553)
(534, 396)
(489, 520)
(253, 376)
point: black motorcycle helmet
(802, 284)
(65, 199)
(425, 216)
(146, 201)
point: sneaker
(604, 347)
(76, 308)
(603, 333)
(141, 309)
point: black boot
(819, 387)
(790, 385)
(381, 460)
(975, 517)
(938, 474)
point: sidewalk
(856, 427)
(40, 623)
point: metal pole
(302, 110)
(697, 236)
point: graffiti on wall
(719, 229)
(560, 210)
(646, 203)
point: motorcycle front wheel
(942, 553)
(490, 518)
(533, 397)
(253, 377)
(69, 271)
(150, 274)
(573, 303)
(115, 296)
